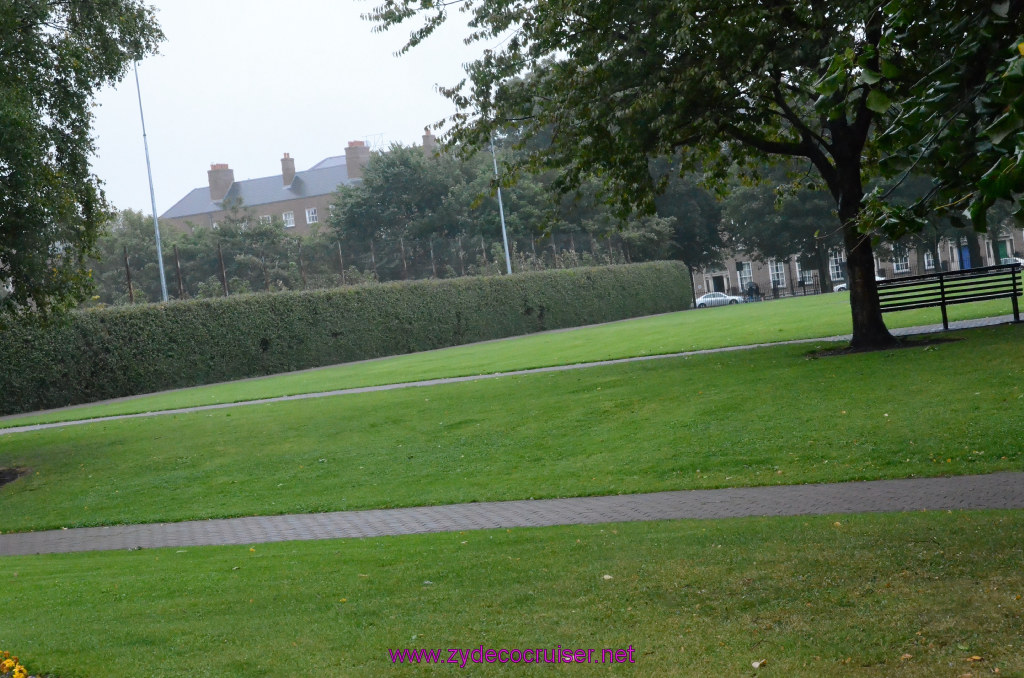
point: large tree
(55, 56)
(962, 122)
(720, 85)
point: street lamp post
(152, 194)
(501, 211)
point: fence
(223, 268)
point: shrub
(112, 352)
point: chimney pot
(287, 170)
(429, 143)
(356, 156)
(221, 177)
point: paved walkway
(905, 331)
(994, 491)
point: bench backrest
(950, 287)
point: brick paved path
(994, 491)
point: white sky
(245, 81)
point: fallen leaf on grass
(975, 658)
(907, 656)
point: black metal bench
(952, 287)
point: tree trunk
(824, 274)
(974, 248)
(693, 289)
(177, 267)
(128, 277)
(869, 330)
(341, 262)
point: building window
(901, 263)
(289, 219)
(837, 266)
(804, 276)
(778, 272)
(929, 260)
(266, 219)
(311, 217)
(744, 273)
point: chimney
(287, 170)
(356, 156)
(429, 143)
(221, 177)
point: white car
(718, 299)
(842, 287)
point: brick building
(299, 199)
(782, 278)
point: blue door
(965, 257)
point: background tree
(696, 237)
(55, 56)
(131, 232)
(613, 84)
(400, 199)
(778, 217)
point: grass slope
(765, 416)
(783, 320)
(868, 595)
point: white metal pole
(501, 211)
(152, 194)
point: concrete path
(905, 331)
(994, 491)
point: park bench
(945, 288)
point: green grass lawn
(765, 416)
(864, 595)
(787, 319)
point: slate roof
(332, 161)
(322, 179)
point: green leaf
(891, 70)
(1004, 126)
(1015, 73)
(878, 101)
(870, 77)
(830, 84)
(978, 215)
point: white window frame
(929, 260)
(806, 276)
(836, 259)
(777, 270)
(744, 274)
(266, 219)
(311, 215)
(901, 263)
(289, 219)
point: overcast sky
(244, 81)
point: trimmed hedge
(107, 353)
